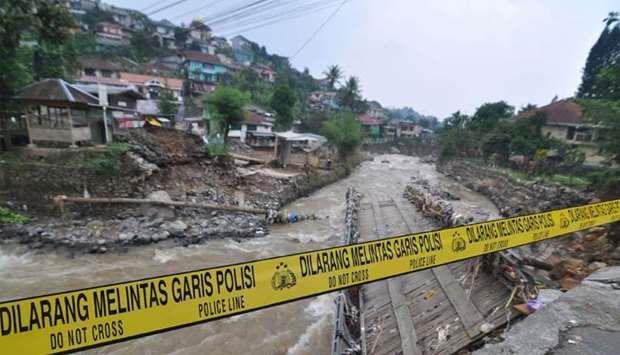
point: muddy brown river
(301, 327)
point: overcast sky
(437, 56)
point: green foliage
(226, 105)
(607, 83)
(167, 104)
(489, 114)
(107, 162)
(313, 121)
(333, 74)
(260, 91)
(344, 131)
(181, 34)
(217, 150)
(603, 53)
(9, 217)
(145, 46)
(45, 23)
(283, 102)
(350, 96)
(456, 120)
(84, 43)
(607, 182)
(606, 113)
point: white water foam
(12, 260)
(320, 310)
(163, 256)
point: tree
(283, 102)
(526, 108)
(181, 34)
(45, 23)
(603, 54)
(344, 131)
(457, 120)
(607, 114)
(333, 74)
(607, 83)
(487, 115)
(167, 104)
(349, 96)
(144, 45)
(226, 105)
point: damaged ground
(146, 162)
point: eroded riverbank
(301, 327)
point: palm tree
(350, 93)
(611, 18)
(333, 74)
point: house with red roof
(566, 121)
(255, 130)
(372, 126)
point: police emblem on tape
(283, 278)
(564, 221)
(458, 242)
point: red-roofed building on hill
(565, 120)
(372, 126)
(256, 129)
(151, 85)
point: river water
(301, 327)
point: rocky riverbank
(510, 195)
(162, 161)
(561, 262)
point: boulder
(176, 228)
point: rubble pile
(572, 260)
(561, 262)
(431, 202)
(164, 147)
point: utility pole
(103, 101)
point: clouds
(443, 56)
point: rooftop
(141, 79)
(202, 57)
(559, 112)
(367, 120)
(57, 91)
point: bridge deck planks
(437, 325)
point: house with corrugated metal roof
(59, 114)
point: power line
(152, 5)
(266, 15)
(268, 22)
(319, 28)
(166, 7)
(196, 9)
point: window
(251, 127)
(235, 127)
(570, 134)
(583, 135)
(106, 73)
(90, 72)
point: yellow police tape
(73, 320)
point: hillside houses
(203, 67)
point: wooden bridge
(435, 311)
